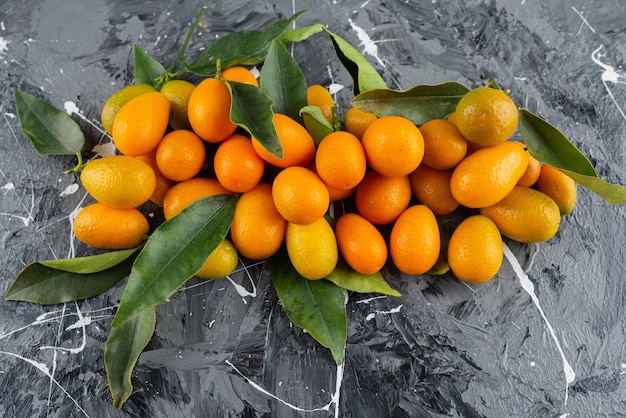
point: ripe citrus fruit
(394, 146)
(312, 248)
(141, 123)
(444, 146)
(381, 199)
(525, 215)
(240, 74)
(178, 93)
(334, 194)
(221, 262)
(297, 144)
(180, 155)
(340, 160)
(415, 243)
(208, 110)
(257, 230)
(488, 174)
(163, 184)
(102, 226)
(118, 99)
(186, 192)
(486, 116)
(300, 196)
(237, 165)
(356, 121)
(319, 96)
(559, 186)
(531, 175)
(432, 188)
(360, 243)
(475, 250)
(119, 181)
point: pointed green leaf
(346, 278)
(283, 82)
(238, 48)
(44, 285)
(547, 144)
(316, 306)
(147, 70)
(301, 34)
(251, 109)
(51, 131)
(316, 123)
(174, 253)
(419, 104)
(364, 75)
(123, 347)
(91, 263)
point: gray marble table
(545, 341)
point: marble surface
(544, 338)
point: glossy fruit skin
(488, 174)
(319, 96)
(163, 184)
(559, 186)
(240, 74)
(119, 181)
(340, 160)
(297, 143)
(101, 226)
(444, 146)
(118, 99)
(394, 146)
(486, 116)
(360, 243)
(186, 192)
(381, 199)
(312, 248)
(178, 93)
(300, 196)
(180, 155)
(220, 263)
(432, 188)
(475, 250)
(208, 111)
(141, 123)
(357, 121)
(525, 215)
(257, 230)
(531, 175)
(415, 243)
(236, 164)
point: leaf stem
(181, 54)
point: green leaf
(419, 104)
(251, 109)
(238, 48)
(316, 306)
(547, 144)
(124, 345)
(346, 278)
(147, 70)
(301, 34)
(316, 123)
(91, 263)
(174, 253)
(364, 75)
(283, 82)
(45, 285)
(51, 131)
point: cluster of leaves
(178, 247)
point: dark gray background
(444, 348)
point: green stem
(183, 50)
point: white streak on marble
(369, 46)
(69, 190)
(609, 75)
(391, 311)
(583, 19)
(368, 300)
(4, 46)
(528, 286)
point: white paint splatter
(609, 75)
(8, 187)
(528, 286)
(4, 46)
(107, 149)
(70, 190)
(373, 314)
(369, 46)
(71, 108)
